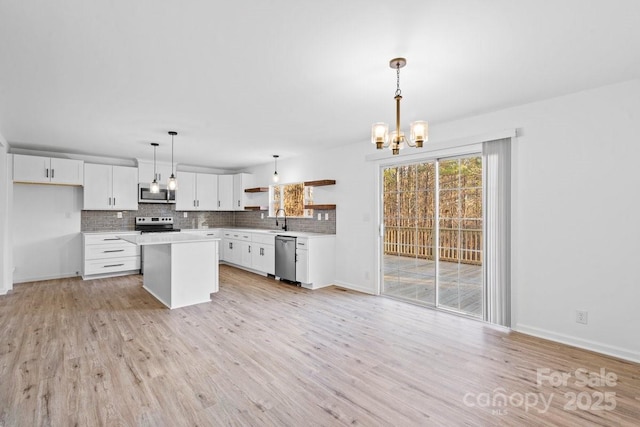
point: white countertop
(164, 238)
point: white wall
(576, 236)
(46, 231)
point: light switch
(119, 215)
(319, 217)
(261, 215)
(326, 217)
(184, 214)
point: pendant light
(155, 187)
(276, 178)
(172, 183)
(396, 140)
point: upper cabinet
(240, 181)
(47, 170)
(225, 193)
(196, 192)
(162, 174)
(109, 187)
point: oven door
(146, 196)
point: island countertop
(164, 238)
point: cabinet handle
(109, 201)
(194, 203)
(53, 171)
(249, 249)
(238, 203)
(115, 250)
(112, 265)
(218, 203)
(46, 173)
(261, 251)
(230, 245)
(198, 203)
(117, 238)
(300, 244)
(114, 201)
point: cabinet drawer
(302, 243)
(107, 238)
(112, 265)
(208, 233)
(122, 249)
(265, 239)
(237, 236)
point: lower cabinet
(104, 255)
(315, 255)
(237, 248)
(315, 261)
(263, 253)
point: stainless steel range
(155, 224)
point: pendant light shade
(154, 187)
(276, 178)
(172, 183)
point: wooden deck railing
(463, 246)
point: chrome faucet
(285, 218)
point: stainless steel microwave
(163, 196)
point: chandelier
(396, 140)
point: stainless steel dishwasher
(286, 258)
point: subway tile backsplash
(108, 220)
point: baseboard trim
(598, 347)
(353, 287)
(40, 278)
(4, 291)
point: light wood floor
(104, 352)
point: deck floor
(413, 279)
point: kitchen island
(180, 269)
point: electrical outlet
(261, 215)
(185, 214)
(581, 316)
(319, 217)
(119, 215)
(326, 217)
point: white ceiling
(243, 80)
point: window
(292, 198)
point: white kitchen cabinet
(240, 182)
(105, 255)
(145, 172)
(263, 254)
(315, 261)
(108, 187)
(237, 248)
(225, 193)
(302, 261)
(196, 192)
(47, 170)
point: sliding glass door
(460, 235)
(432, 244)
(409, 217)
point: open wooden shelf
(320, 183)
(255, 208)
(321, 207)
(256, 190)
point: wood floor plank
(105, 352)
